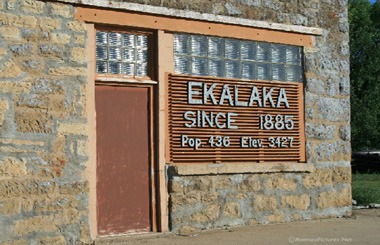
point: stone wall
(43, 188)
(43, 127)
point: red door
(123, 159)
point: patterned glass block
(262, 52)
(232, 69)
(101, 67)
(292, 55)
(101, 38)
(114, 39)
(114, 53)
(248, 50)
(142, 55)
(142, 69)
(199, 66)
(199, 45)
(101, 53)
(215, 68)
(114, 67)
(128, 40)
(262, 72)
(141, 41)
(293, 74)
(181, 65)
(232, 49)
(278, 72)
(215, 47)
(248, 70)
(129, 54)
(129, 68)
(278, 53)
(181, 44)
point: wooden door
(123, 159)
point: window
(232, 58)
(121, 53)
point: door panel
(123, 145)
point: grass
(366, 188)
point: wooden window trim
(172, 24)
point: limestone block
(265, 203)
(231, 210)
(62, 10)
(298, 202)
(22, 21)
(10, 206)
(212, 212)
(79, 55)
(76, 26)
(199, 218)
(60, 38)
(278, 217)
(72, 128)
(33, 121)
(191, 198)
(37, 223)
(32, 6)
(10, 70)
(12, 167)
(251, 183)
(334, 198)
(4, 106)
(320, 177)
(187, 230)
(275, 182)
(341, 175)
(67, 71)
(49, 24)
(207, 197)
(59, 240)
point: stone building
(155, 116)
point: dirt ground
(362, 228)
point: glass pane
(129, 40)
(278, 72)
(114, 38)
(115, 53)
(141, 41)
(101, 37)
(215, 68)
(101, 67)
(199, 66)
(215, 47)
(142, 55)
(292, 55)
(199, 45)
(248, 50)
(232, 50)
(248, 70)
(278, 53)
(142, 69)
(114, 67)
(181, 44)
(232, 69)
(293, 74)
(181, 65)
(262, 52)
(101, 53)
(128, 68)
(129, 54)
(262, 71)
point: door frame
(158, 193)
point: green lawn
(366, 188)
